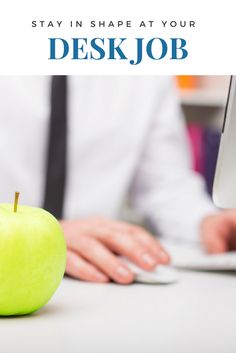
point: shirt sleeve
(165, 191)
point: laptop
(224, 188)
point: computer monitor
(224, 188)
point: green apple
(32, 258)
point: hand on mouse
(218, 232)
(94, 243)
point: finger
(77, 267)
(215, 243)
(127, 245)
(232, 242)
(215, 234)
(230, 217)
(98, 255)
(144, 237)
(155, 247)
(152, 243)
(142, 249)
(121, 242)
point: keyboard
(205, 262)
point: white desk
(195, 315)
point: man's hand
(219, 232)
(94, 243)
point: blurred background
(203, 100)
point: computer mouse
(162, 274)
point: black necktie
(56, 158)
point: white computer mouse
(161, 275)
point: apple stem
(16, 201)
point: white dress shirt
(126, 134)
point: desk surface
(195, 315)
